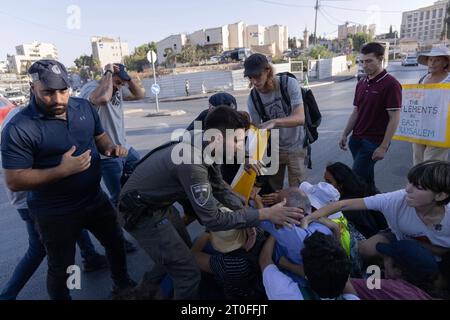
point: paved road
(144, 134)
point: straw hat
(435, 52)
(230, 240)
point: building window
(441, 12)
(428, 15)
(208, 38)
(434, 13)
(409, 25)
(175, 46)
(421, 15)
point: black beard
(47, 110)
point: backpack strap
(307, 134)
(284, 79)
(166, 145)
(259, 106)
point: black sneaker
(94, 263)
(129, 247)
(121, 289)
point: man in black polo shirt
(52, 148)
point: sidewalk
(344, 76)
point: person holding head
(161, 180)
(107, 95)
(420, 211)
(269, 110)
(326, 268)
(438, 63)
(375, 118)
(52, 149)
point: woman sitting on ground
(420, 211)
(351, 186)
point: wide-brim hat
(321, 195)
(435, 52)
(230, 240)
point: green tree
(320, 51)
(360, 39)
(189, 54)
(137, 61)
(88, 67)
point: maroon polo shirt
(373, 99)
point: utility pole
(315, 23)
(121, 54)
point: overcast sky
(139, 21)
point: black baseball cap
(411, 255)
(223, 98)
(255, 65)
(51, 73)
(122, 73)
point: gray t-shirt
(111, 115)
(290, 138)
(18, 199)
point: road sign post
(151, 57)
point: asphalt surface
(144, 133)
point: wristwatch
(107, 72)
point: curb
(331, 82)
(165, 113)
(243, 94)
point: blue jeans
(112, 170)
(363, 165)
(34, 256)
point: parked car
(360, 74)
(16, 96)
(410, 61)
(5, 107)
(239, 54)
(215, 59)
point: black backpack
(313, 117)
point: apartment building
(425, 25)
(27, 54)
(109, 50)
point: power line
(339, 20)
(44, 26)
(283, 4)
(360, 10)
(322, 13)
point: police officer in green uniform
(160, 180)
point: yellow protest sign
(425, 117)
(257, 141)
